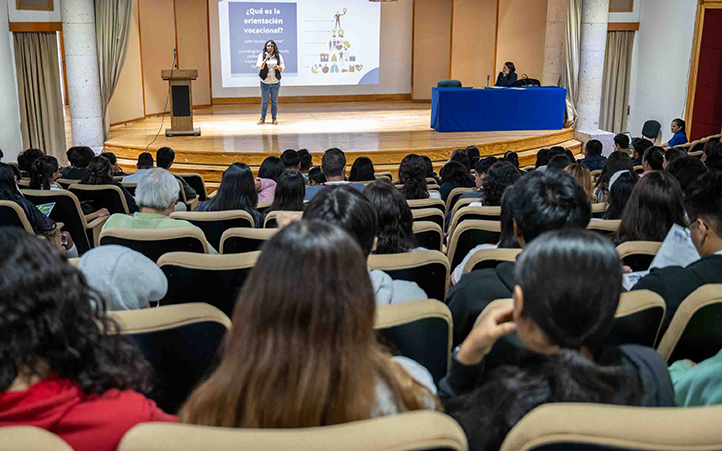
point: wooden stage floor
(383, 131)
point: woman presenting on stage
(270, 64)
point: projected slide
(323, 42)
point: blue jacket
(594, 162)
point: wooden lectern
(181, 102)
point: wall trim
(314, 99)
(35, 27)
(623, 26)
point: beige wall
(432, 39)
(192, 26)
(127, 101)
(521, 35)
(157, 38)
(472, 55)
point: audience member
(9, 192)
(473, 153)
(460, 156)
(513, 158)
(686, 169)
(714, 158)
(454, 175)
(271, 169)
(238, 191)
(290, 191)
(480, 172)
(44, 172)
(79, 158)
(540, 202)
(2, 155)
(583, 177)
(164, 159)
(127, 280)
(306, 161)
(594, 159)
(672, 154)
(542, 158)
(395, 230)
(620, 189)
(654, 206)
(711, 143)
(26, 160)
(621, 144)
(559, 162)
(156, 195)
(349, 209)
(617, 161)
(500, 177)
(697, 384)
(100, 172)
(145, 164)
(678, 130)
(309, 304)
(362, 170)
(291, 160)
(412, 174)
(316, 177)
(562, 323)
(333, 165)
(430, 169)
(117, 170)
(65, 368)
(639, 147)
(703, 205)
(653, 160)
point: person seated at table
(507, 76)
(679, 137)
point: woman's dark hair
(271, 168)
(461, 156)
(473, 153)
(511, 66)
(51, 321)
(429, 167)
(686, 170)
(714, 158)
(513, 158)
(306, 159)
(237, 190)
(316, 175)
(617, 161)
(654, 156)
(362, 170)
(110, 156)
(41, 172)
(654, 206)
(680, 123)
(99, 172)
(499, 177)
(8, 188)
(290, 191)
(412, 173)
(640, 145)
(395, 222)
(619, 194)
(275, 48)
(712, 142)
(27, 158)
(542, 158)
(80, 156)
(507, 240)
(574, 313)
(457, 174)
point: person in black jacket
(541, 202)
(507, 76)
(563, 323)
(164, 158)
(704, 210)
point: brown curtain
(41, 105)
(615, 83)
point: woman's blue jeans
(271, 91)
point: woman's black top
(506, 80)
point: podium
(181, 102)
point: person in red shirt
(62, 367)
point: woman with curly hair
(500, 176)
(64, 368)
(395, 230)
(100, 172)
(412, 174)
(454, 175)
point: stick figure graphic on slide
(337, 16)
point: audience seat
(599, 210)
(430, 215)
(68, 211)
(638, 169)
(155, 242)
(409, 431)
(599, 427)
(448, 84)
(263, 205)
(419, 330)
(24, 183)
(31, 438)
(474, 213)
(638, 255)
(454, 196)
(383, 175)
(181, 342)
(490, 258)
(271, 221)
(239, 240)
(638, 319)
(130, 187)
(190, 204)
(461, 203)
(102, 196)
(429, 269)
(429, 235)
(469, 234)
(652, 130)
(214, 223)
(214, 279)
(13, 215)
(696, 146)
(65, 183)
(197, 183)
(416, 204)
(695, 332)
(606, 227)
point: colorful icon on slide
(338, 53)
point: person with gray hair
(156, 196)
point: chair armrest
(192, 204)
(96, 226)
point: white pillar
(554, 53)
(81, 60)
(10, 137)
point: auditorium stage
(383, 131)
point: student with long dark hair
(64, 368)
(563, 323)
(653, 208)
(412, 174)
(454, 175)
(100, 172)
(395, 231)
(44, 172)
(290, 191)
(362, 170)
(620, 190)
(237, 192)
(270, 64)
(9, 191)
(617, 161)
(302, 351)
(430, 169)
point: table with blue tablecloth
(497, 109)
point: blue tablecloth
(483, 110)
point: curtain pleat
(570, 74)
(615, 83)
(39, 92)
